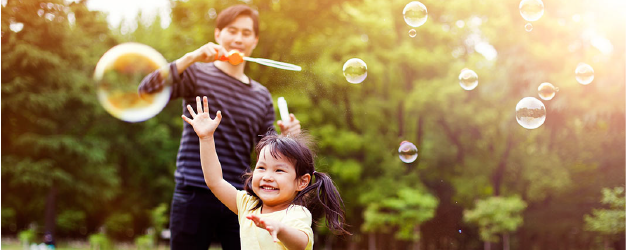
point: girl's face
(275, 182)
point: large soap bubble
(118, 75)
(530, 113)
(355, 70)
(415, 14)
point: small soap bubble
(530, 113)
(531, 10)
(528, 27)
(355, 70)
(412, 33)
(415, 14)
(584, 73)
(407, 152)
(547, 91)
(117, 76)
(468, 79)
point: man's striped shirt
(247, 113)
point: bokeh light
(407, 152)
(415, 14)
(117, 76)
(412, 33)
(530, 113)
(355, 70)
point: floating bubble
(117, 76)
(547, 91)
(407, 152)
(355, 70)
(528, 27)
(530, 113)
(468, 79)
(584, 73)
(415, 14)
(412, 33)
(531, 10)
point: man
(197, 217)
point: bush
(99, 241)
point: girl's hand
(201, 122)
(273, 227)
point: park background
(480, 180)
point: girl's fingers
(218, 117)
(186, 119)
(206, 104)
(199, 105)
(193, 114)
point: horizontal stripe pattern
(247, 113)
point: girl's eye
(280, 170)
(260, 168)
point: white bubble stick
(284, 112)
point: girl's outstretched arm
(290, 237)
(211, 167)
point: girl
(272, 210)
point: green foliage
(496, 215)
(145, 241)
(119, 224)
(27, 236)
(8, 216)
(99, 241)
(71, 221)
(406, 211)
(608, 221)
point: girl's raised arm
(211, 167)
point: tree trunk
(50, 218)
(328, 245)
(606, 243)
(416, 231)
(505, 241)
(487, 245)
(371, 245)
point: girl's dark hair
(321, 192)
(231, 13)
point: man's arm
(206, 53)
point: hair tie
(314, 172)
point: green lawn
(14, 244)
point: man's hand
(291, 127)
(201, 122)
(208, 53)
(273, 227)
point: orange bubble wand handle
(234, 57)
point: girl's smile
(274, 181)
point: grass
(14, 244)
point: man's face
(238, 35)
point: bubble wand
(235, 57)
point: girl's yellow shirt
(255, 238)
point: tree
(496, 215)
(51, 148)
(608, 222)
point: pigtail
(325, 192)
